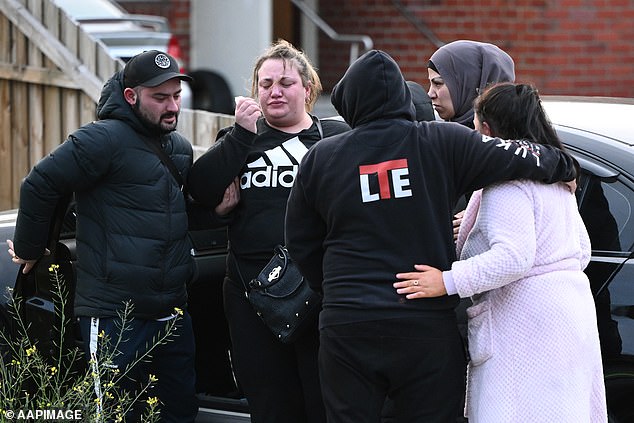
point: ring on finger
(415, 283)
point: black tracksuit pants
(280, 381)
(418, 362)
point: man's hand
(28, 264)
(247, 113)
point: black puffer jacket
(132, 239)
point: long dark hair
(514, 111)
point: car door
(606, 200)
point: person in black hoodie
(274, 129)
(377, 199)
(132, 243)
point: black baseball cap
(151, 68)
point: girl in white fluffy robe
(533, 338)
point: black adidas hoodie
(376, 200)
(266, 164)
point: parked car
(126, 35)
(597, 131)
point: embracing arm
(506, 218)
(479, 161)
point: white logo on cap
(162, 61)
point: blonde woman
(261, 152)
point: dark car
(598, 132)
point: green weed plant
(35, 384)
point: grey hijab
(467, 67)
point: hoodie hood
(372, 88)
(112, 105)
(422, 102)
(467, 67)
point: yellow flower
(109, 395)
(53, 370)
(53, 268)
(179, 311)
(153, 378)
(152, 401)
(31, 351)
(102, 334)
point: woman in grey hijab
(458, 71)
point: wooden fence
(51, 75)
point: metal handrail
(355, 40)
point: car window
(606, 209)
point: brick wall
(582, 47)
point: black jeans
(280, 381)
(419, 362)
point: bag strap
(235, 262)
(319, 128)
(167, 161)
(279, 250)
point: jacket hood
(467, 67)
(112, 105)
(372, 88)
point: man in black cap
(132, 244)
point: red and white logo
(392, 177)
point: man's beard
(157, 128)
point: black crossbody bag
(280, 295)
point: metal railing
(355, 40)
